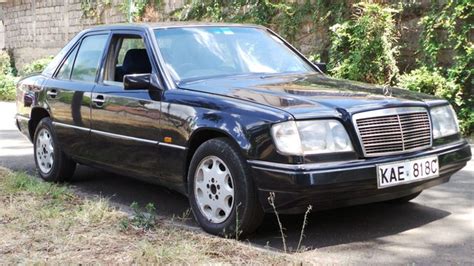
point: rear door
(125, 124)
(68, 93)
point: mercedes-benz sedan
(226, 114)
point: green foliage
(430, 82)
(18, 182)
(239, 11)
(36, 66)
(5, 64)
(7, 87)
(286, 17)
(449, 26)
(466, 119)
(135, 11)
(94, 8)
(7, 79)
(141, 219)
(363, 48)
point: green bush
(35, 66)
(5, 63)
(7, 87)
(7, 80)
(432, 82)
(466, 119)
(448, 27)
(363, 48)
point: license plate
(404, 172)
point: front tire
(222, 194)
(51, 162)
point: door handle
(99, 100)
(52, 93)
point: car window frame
(78, 45)
(110, 45)
(101, 59)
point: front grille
(393, 131)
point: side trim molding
(172, 145)
(70, 126)
(118, 136)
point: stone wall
(39, 28)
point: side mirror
(321, 66)
(141, 82)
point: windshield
(204, 52)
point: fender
(185, 113)
(188, 116)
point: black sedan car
(226, 114)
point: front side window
(128, 55)
(200, 52)
(88, 58)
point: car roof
(164, 25)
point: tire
(405, 199)
(51, 162)
(238, 211)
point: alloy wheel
(214, 189)
(45, 150)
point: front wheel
(52, 164)
(222, 194)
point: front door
(125, 124)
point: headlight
(444, 121)
(311, 137)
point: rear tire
(222, 194)
(51, 162)
(405, 199)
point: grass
(299, 248)
(48, 223)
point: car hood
(311, 95)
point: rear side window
(53, 65)
(65, 70)
(88, 58)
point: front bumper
(339, 184)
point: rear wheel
(51, 162)
(222, 195)
(405, 199)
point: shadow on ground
(326, 228)
(346, 225)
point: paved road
(436, 228)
